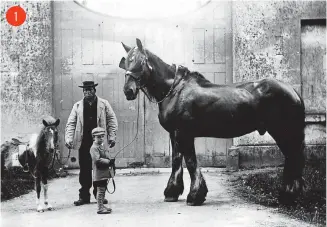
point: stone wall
(26, 70)
(267, 43)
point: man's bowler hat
(88, 84)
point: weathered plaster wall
(26, 70)
(266, 43)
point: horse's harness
(137, 77)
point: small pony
(35, 159)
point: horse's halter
(137, 77)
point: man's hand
(111, 143)
(69, 144)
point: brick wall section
(266, 43)
(26, 70)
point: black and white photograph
(163, 113)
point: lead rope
(137, 131)
(137, 128)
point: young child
(100, 163)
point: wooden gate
(88, 46)
(85, 48)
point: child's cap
(98, 131)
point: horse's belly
(223, 124)
(225, 131)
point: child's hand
(111, 162)
(112, 143)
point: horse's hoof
(171, 199)
(198, 202)
(193, 200)
(49, 208)
(190, 204)
(195, 203)
(286, 198)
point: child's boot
(100, 197)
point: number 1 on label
(16, 18)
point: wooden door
(85, 49)
(201, 41)
(313, 65)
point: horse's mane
(161, 66)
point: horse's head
(50, 132)
(137, 69)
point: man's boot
(100, 197)
(81, 201)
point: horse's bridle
(137, 77)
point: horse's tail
(301, 116)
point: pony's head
(137, 69)
(49, 133)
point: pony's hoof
(171, 199)
(40, 210)
(48, 206)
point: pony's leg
(39, 207)
(175, 185)
(45, 188)
(198, 189)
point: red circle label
(16, 16)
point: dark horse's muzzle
(131, 87)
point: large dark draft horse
(191, 106)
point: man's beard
(89, 97)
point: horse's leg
(38, 192)
(198, 189)
(175, 185)
(290, 140)
(45, 188)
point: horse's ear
(122, 63)
(45, 123)
(57, 122)
(127, 48)
(139, 45)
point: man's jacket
(106, 119)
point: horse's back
(271, 88)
